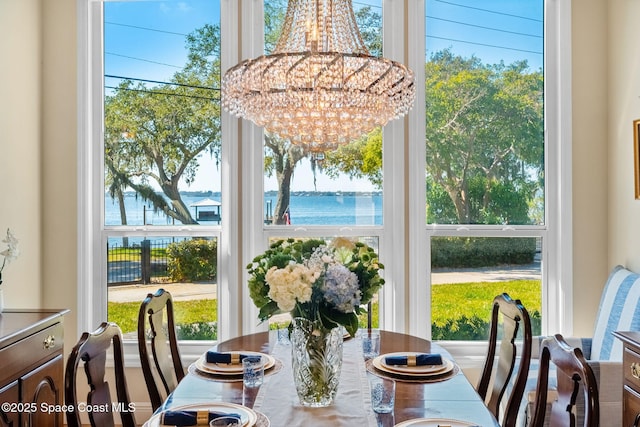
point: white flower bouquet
(324, 283)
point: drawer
(631, 367)
(21, 356)
(631, 406)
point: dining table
(449, 397)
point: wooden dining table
(453, 398)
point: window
(413, 189)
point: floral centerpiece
(324, 283)
(11, 253)
(323, 286)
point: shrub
(474, 328)
(199, 331)
(460, 252)
(193, 260)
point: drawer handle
(49, 342)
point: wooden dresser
(631, 372)
(31, 367)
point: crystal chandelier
(321, 87)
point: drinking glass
(252, 371)
(383, 394)
(370, 345)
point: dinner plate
(247, 415)
(424, 370)
(230, 368)
(434, 422)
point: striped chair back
(619, 311)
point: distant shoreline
(274, 193)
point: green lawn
(452, 301)
(460, 310)
(125, 314)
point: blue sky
(146, 40)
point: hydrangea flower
(340, 288)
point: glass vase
(316, 355)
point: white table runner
(278, 400)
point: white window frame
(404, 237)
(556, 233)
(92, 235)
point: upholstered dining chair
(573, 374)
(156, 332)
(91, 350)
(510, 316)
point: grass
(449, 302)
(125, 314)
(452, 301)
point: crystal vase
(316, 355)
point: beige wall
(590, 153)
(20, 147)
(623, 107)
(38, 149)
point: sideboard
(32, 368)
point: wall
(20, 150)
(590, 191)
(59, 149)
(623, 108)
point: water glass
(252, 371)
(225, 422)
(283, 336)
(370, 345)
(383, 394)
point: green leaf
(268, 310)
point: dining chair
(91, 350)
(507, 377)
(156, 331)
(573, 374)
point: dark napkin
(421, 359)
(190, 418)
(215, 357)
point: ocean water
(307, 208)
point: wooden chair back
(574, 373)
(159, 336)
(92, 349)
(513, 317)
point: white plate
(247, 415)
(229, 368)
(378, 362)
(434, 422)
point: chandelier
(321, 87)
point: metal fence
(137, 263)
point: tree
(360, 159)
(158, 133)
(281, 158)
(484, 137)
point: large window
(462, 197)
(485, 163)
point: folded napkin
(414, 360)
(192, 418)
(215, 357)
